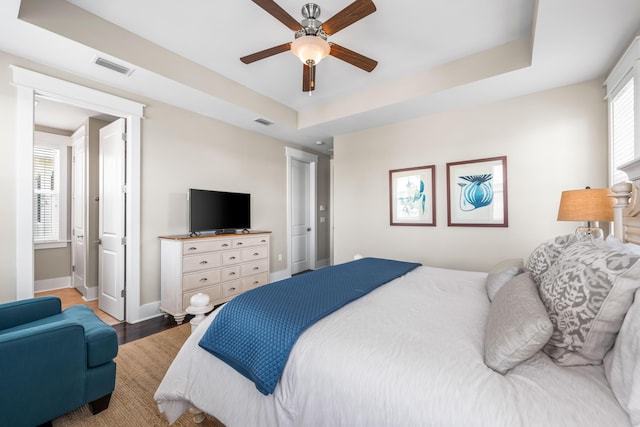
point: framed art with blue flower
(412, 196)
(477, 193)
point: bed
(439, 347)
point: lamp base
(589, 233)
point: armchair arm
(28, 310)
(43, 371)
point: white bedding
(409, 353)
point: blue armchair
(53, 361)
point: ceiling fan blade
(308, 78)
(353, 58)
(347, 16)
(279, 13)
(265, 53)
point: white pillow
(517, 326)
(501, 273)
(622, 363)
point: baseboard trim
(51, 284)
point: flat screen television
(216, 211)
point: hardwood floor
(127, 332)
(71, 296)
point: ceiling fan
(310, 44)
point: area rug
(141, 365)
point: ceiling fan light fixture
(310, 49)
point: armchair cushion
(101, 339)
(52, 361)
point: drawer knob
(204, 279)
(256, 268)
(204, 262)
(232, 289)
(239, 243)
(192, 248)
(256, 282)
(256, 254)
(225, 245)
(233, 273)
(232, 258)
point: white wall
(554, 140)
(179, 149)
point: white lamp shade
(310, 48)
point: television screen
(218, 210)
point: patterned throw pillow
(587, 293)
(546, 254)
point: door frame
(312, 159)
(29, 84)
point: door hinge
(73, 268)
(124, 189)
(123, 242)
(123, 293)
(124, 136)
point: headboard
(626, 212)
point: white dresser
(220, 266)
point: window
(46, 194)
(50, 191)
(622, 130)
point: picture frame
(412, 194)
(477, 193)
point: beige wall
(52, 263)
(180, 149)
(7, 184)
(554, 140)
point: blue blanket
(254, 332)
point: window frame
(61, 143)
(627, 68)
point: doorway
(30, 84)
(301, 210)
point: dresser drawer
(214, 292)
(201, 262)
(254, 281)
(231, 257)
(244, 242)
(258, 252)
(231, 288)
(196, 247)
(254, 268)
(230, 273)
(200, 279)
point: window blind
(46, 194)
(622, 130)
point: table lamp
(590, 206)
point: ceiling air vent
(113, 66)
(263, 121)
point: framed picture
(477, 193)
(412, 196)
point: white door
(78, 217)
(300, 216)
(111, 254)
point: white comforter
(409, 353)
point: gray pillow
(545, 255)
(587, 293)
(501, 273)
(517, 326)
